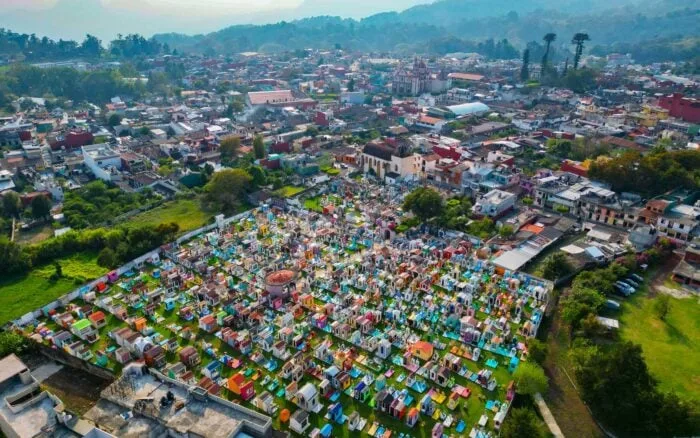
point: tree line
(66, 83)
(114, 245)
(501, 49)
(97, 203)
(30, 47)
(657, 172)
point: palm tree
(549, 39)
(579, 39)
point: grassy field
(187, 213)
(288, 191)
(562, 397)
(20, 294)
(671, 347)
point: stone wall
(74, 362)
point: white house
(100, 159)
(494, 203)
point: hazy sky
(106, 18)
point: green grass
(187, 213)
(313, 204)
(330, 170)
(288, 191)
(671, 347)
(20, 294)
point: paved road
(547, 416)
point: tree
(580, 80)
(482, 228)
(258, 174)
(527, 200)
(530, 379)
(312, 131)
(424, 202)
(12, 343)
(114, 120)
(556, 266)
(227, 188)
(525, 70)
(505, 231)
(579, 40)
(580, 303)
(456, 213)
(522, 423)
(259, 147)
(229, 148)
(11, 204)
(536, 350)
(107, 258)
(548, 39)
(662, 306)
(91, 46)
(351, 85)
(41, 207)
(13, 259)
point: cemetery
(327, 321)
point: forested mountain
(665, 30)
(458, 25)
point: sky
(107, 18)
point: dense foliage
(556, 266)
(33, 48)
(651, 174)
(530, 379)
(12, 343)
(658, 49)
(97, 203)
(501, 49)
(126, 243)
(522, 423)
(226, 190)
(97, 86)
(424, 202)
(616, 383)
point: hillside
(419, 28)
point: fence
(67, 298)
(61, 356)
(64, 300)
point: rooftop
(209, 418)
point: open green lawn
(671, 347)
(288, 191)
(187, 213)
(20, 294)
(313, 204)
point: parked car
(631, 288)
(631, 282)
(639, 278)
(612, 304)
(623, 288)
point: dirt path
(562, 398)
(547, 416)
